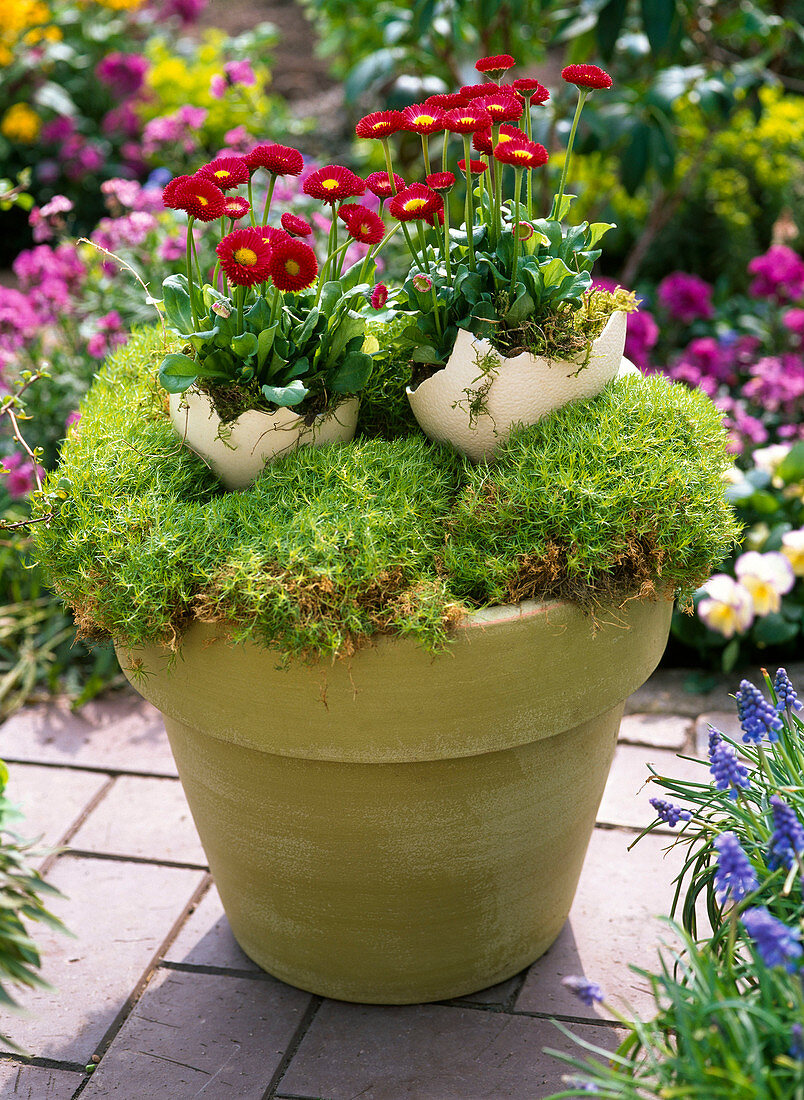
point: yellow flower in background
(24, 22)
(21, 124)
(117, 5)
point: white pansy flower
(767, 577)
(727, 607)
(793, 550)
(770, 458)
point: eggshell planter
(399, 828)
(474, 410)
(238, 451)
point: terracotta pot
(474, 409)
(238, 451)
(400, 828)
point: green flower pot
(398, 827)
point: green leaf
(244, 345)
(773, 629)
(425, 353)
(285, 396)
(374, 68)
(764, 503)
(728, 658)
(522, 307)
(598, 230)
(218, 364)
(331, 294)
(791, 468)
(177, 372)
(265, 342)
(352, 374)
(177, 304)
(658, 17)
(350, 325)
(259, 315)
(609, 25)
(634, 158)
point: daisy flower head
(296, 226)
(476, 167)
(445, 100)
(586, 76)
(226, 172)
(522, 154)
(236, 207)
(441, 181)
(362, 224)
(292, 266)
(531, 90)
(466, 120)
(244, 256)
(280, 160)
(481, 141)
(415, 203)
(475, 91)
(499, 63)
(380, 185)
(273, 236)
(503, 106)
(334, 183)
(200, 198)
(169, 191)
(423, 120)
(379, 296)
(380, 124)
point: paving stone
(499, 994)
(22, 1082)
(612, 924)
(200, 1034)
(625, 800)
(206, 939)
(691, 692)
(724, 720)
(663, 731)
(51, 799)
(430, 1052)
(120, 732)
(119, 913)
(142, 817)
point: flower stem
(555, 212)
(517, 191)
(444, 151)
(268, 198)
(496, 169)
(251, 203)
(529, 181)
(469, 213)
(190, 279)
(392, 183)
(240, 297)
(426, 262)
(426, 152)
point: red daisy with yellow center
(244, 256)
(279, 160)
(379, 184)
(296, 226)
(522, 154)
(362, 224)
(292, 266)
(226, 172)
(380, 124)
(236, 207)
(587, 76)
(481, 142)
(415, 203)
(200, 198)
(465, 120)
(169, 191)
(441, 181)
(334, 183)
(423, 120)
(499, 63)
(503, 106)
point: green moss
(606, 499)
(566, 332)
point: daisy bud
(524, 230)
(422, 283)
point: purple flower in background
(58, 130)
(124, 73)
(193, 117)
(729, 774)
(171, 249)
(735, 878)
(669, 813)
(793, 321)
(584, 990)
(217, 86)
(121, 121)
(186, 10)
(787, 839)
(685, 297)
(72, 418)
(777, 944)
(19, 320)
(715, 739)
(240, 72)
(786, 696)
(20, 478)
(758, 718)
(797, 1042)
(641, 336)
(779, 274)
(776, 382)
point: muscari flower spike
(669, 813)
(786, 696)
(586, 991)
(758, 718)
(787, 839)
(777, 944)
(735, 878)
(729, 774)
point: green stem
(529, 180)
(268, 197)
(496, 169)
(517, 190)
(555, 211)
(390, 170)
(251, 203)
(444, 151)
(189, 263)
(426, 152)
(446, 241)
(426, 262)
(275, 307)
(469, 214)
(240, 298)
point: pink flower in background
(121, 120)
(685, 297)
(19, 475)
(47, 221)
(779, 274)
(217, 86)
(240, 72)
(776, 382)
(641, 336)
(58, 130)
(19, 320)
(793, 321)
(72, 418)
(124, 73)
(171, 249)
(86, 160)
(109, 336)
(193, 117)
(743, 428)
(187, 11)
(238, 141)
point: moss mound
(603, 500)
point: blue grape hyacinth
(669, 812)
(777, 944)
(758, 717)
(729, 774)
(584, 990)
(786, 696)
(787, 839)
(735, 878)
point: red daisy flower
(379, 295)
(297, 227)
(226, 172)
(200, 198)
(586, 76)
(333, 183)
(481, 142)
(503, 106)
(441, 181)
(476, 91)
(415, 202)
(465, 120)
(292, 266)
(244, 257)
(476, 167)
(362, 224)
(522, 154)
(436, 216)
(379, 184)
(280, 160)
(497, 64)
(380, 124)
(423, 120)
(169, 191)
(532, 90)
(273, 236)
(445, 100)
(236, 207)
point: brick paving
(153, 989)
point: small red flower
(292, 266)
(481, 142)
(236, 207)
(476, 167)
(362, 224)
(436, 216)
(273, 236)
(379, 184)
(423, 120)
(169, 191)
(441, 181)
(445, 100)
(226, 172)
(333, 183)
(297, 227)
(380, 124)
(465, 120)
(200, 198)
(531, 90)
(414, 203)
(280, 160)
(244, 256)
(476, 91)
(379, 295)
(503, 106)
(497, 64)
(586, 76)
(522, 154)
